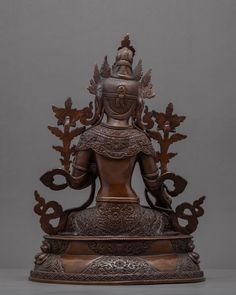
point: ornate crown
(120, 91)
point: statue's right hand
(179, 183)
(48, 179)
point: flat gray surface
(219, 282)
(48, 51)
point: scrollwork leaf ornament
(138, 71)
(165, 134)
(195, 211)
(105, 70)
(42, 209)
(146, 86)
(67, 117)
(147, 120)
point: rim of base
(128, 282)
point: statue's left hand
(48, 179)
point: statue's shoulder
(115, 142)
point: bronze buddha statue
(119, 136)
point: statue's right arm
(81, 172)
(155, 183)
(152, 180)
(149, 171)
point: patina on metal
(117, 241)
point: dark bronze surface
(122, 260)
(118, 241)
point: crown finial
(125, 42)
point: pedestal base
(117, 260)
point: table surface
(218, 282)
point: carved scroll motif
(166, 124)
(68, 117)
(138, 71)
(147, 120)
(195, 211)
(161, 127)
(44, 209)
(104, 72)
(165, 134)
(146, 86)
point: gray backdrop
(48, 50)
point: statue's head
(119, 91)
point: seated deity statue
(91, 241)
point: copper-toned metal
(167, 123)
(117, 241)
